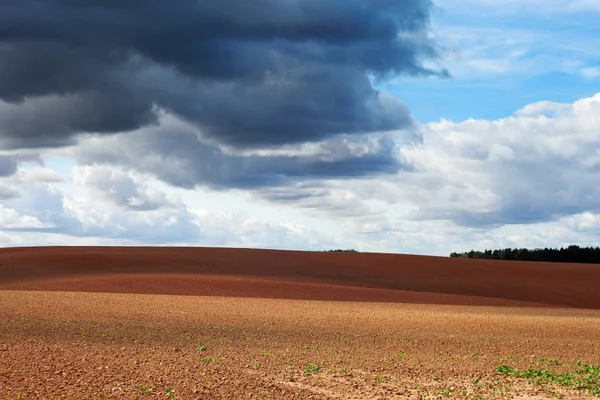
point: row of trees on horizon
(571, 254)
(342, 251)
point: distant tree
(571, 254)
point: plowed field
(190, 323)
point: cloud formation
(174, 152)
(121, 188)
(247, 74)
(539, 165)
(114, 206)
(8, 165)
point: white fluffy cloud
(122, 188)
(525, 180)
(530, 179)
(114, 205)
(541, 164)
(11, 219)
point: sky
(382, 126)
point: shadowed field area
(301, 275)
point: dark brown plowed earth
(300, 275)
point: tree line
(342, 251)
(571, 254)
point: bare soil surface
(130, 346)
(300, 275)
(179, 323)
(217, 285)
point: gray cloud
(8, 165)
(175, 153)
(120, 188)
(8, 193)
(248, 74)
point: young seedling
(585, 377)
(208, 360)
(146, 389)
(202, 348)
(170, 393)
(311, 368)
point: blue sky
(504, 56)
(459, 99)
(168, 148)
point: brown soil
(203, 340)
(98, 345)
(300, 275)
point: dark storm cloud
(247, 73)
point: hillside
(300, 275)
